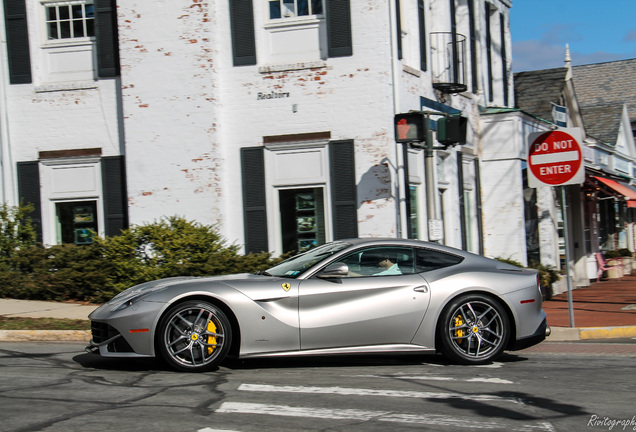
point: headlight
(134, 294)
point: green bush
(16, 230)
(60, 273)
(173, 247)
(96, 272)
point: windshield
(296, 265)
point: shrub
(16, 230)
(96, 272)
(173, 247)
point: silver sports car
(347, 297)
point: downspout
(8, 191)
(399, 155)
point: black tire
(194, 336)
(474, 329)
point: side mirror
(335, 270)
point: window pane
(51, 13)
(90, 27)
(428, 260)
(65, 12)
(303, 7)
(274, 9)
(78, 28)
(76, 222)
(288, 8)
(302, 218)
(89, 10)
(53, 31)
(77, 11)
(65, 29)
(316, 7)
(380, 261)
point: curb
(44, 335)
(559, 334)
(563, 334)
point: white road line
(385, 416)
(440, 378)
(375, 392)
(216, 430)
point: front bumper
(125, 333)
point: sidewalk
(42, 309)
(604, 310)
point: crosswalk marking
(376, 392)
(384, 416)
(440, 378)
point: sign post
(555, 159)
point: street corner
(45, 335)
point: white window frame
(50, 197)
(46, 5)
(287, 14)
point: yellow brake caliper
(211, 339)
(459, 321)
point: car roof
(379, 241)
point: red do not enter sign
(555, 158)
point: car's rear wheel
(474, 329)
(194, 336)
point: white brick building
(272, 119)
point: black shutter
(421, 15)
(107, 43)
(504, 59)
(115, 195)
(462, 201)
(398, 25)
(344, 200)
(242, 28)
(472, 23)
(254, 205)
(29, 192)
(491, 94)
(17, 41)
(339, 28)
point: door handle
(422, 289)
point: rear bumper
(542, 332)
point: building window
(70, 20)
(294, 8)
(76, 221)
(302, 217)
(415, 222)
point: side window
(380, 261)
(70, 20)
(428, 259)
(294, 8)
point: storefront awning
(627, 191)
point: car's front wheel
(474, 329)
(194, 336)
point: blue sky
(597, 31)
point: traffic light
(451, 130)
(409, 128)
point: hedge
(95, 273)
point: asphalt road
(55, 386)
